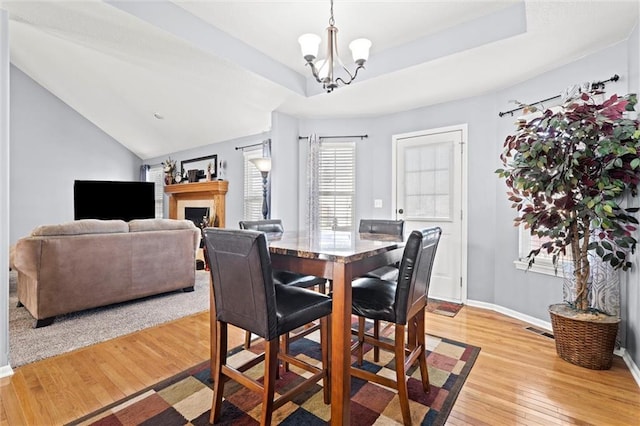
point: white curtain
(313, 187)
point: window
(156, 175)
(336, 186)
(252, 186)
(543, 262)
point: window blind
(336, 174)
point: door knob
(400, 211)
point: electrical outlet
(377, 204)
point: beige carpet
(80, 329)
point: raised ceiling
(216, 70)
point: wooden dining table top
(333, 246)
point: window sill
(540, 267)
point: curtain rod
(264, 142)
(596, 85)
(336, 137)
(248, 146)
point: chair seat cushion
(299, 306)
(296, 280)
(373, 298)
(387, 273)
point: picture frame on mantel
(200, 164)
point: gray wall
(492, 239)
(284, 174)
(631, 285)
(51, 139)
(528, 292)
(233, 170)
(4, 193)
(51, 146)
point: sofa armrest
(27, 256)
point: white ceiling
(215, 70)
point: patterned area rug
(186, 398)
(448, 309)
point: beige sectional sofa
(89, 263)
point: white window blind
(252, 186)
(336, 174)
(156, 175)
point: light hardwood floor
(517, 379)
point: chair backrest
(242, 278)
(415, 272)
(382, 226)
(270, 226)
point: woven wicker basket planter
(581, 340)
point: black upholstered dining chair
(387, 227)
(246, 296)
(274, 227)
(402, 303)
(393, 228)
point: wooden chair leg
(247, 339)
(324, 348)
(422, 358)
(412, 339)
(322, 288)
(360, 339)
(218, 380)
(376, 335)
(270, 369)
(284, 348)
(401, 379)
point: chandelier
(324, 70)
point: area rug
(80, 329)
(186, 398)
(441, 307)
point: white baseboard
(511, 313)
(633, 368)
(6, 371)
(635, 371)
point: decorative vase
(584, 339)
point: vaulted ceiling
(163, 76)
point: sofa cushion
(139, 225)
(83, 226)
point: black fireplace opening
(197, 215)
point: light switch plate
(377, 204)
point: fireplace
(198, 215)
(198, 194)
(198, 197)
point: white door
(430, 190)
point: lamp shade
(263, 164)
(360, 50)
(309, 44)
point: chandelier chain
(332, 21)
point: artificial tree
(568, 171)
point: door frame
(463, 128)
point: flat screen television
(102, 199)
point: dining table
(339, 256)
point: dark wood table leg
(341, 345)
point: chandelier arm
(352, 77)
(314, 71)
